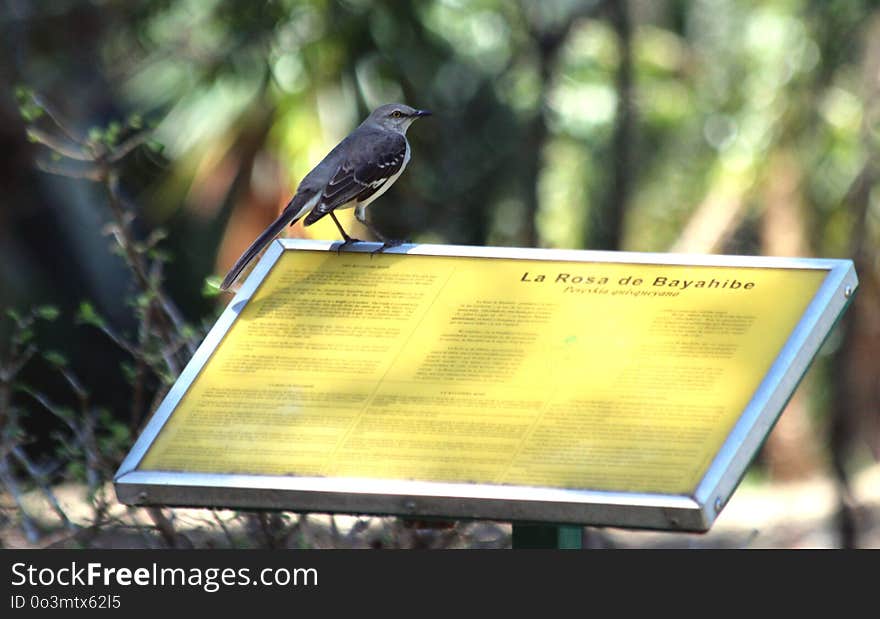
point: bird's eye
(396, 114)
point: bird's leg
(360, 214)
(348, 239)
(386, 244)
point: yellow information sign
(624, 377)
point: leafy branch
(13, 457)
(164, 342)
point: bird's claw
(386, 245)
(348, 241)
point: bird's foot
(349, 240)
(387, 245)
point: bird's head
(396, 116)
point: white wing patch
(396, 161)
(307, 206)
(385, 183)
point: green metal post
(547, 536)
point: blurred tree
(703, 126)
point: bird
(354, 174)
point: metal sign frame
(500, 502)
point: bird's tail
(289, 215)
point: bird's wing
(374, 158)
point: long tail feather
(294, 210)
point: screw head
(718, 505)
(847, 292)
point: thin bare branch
(121, 342)
(52, 408)
(16, 364)
(160, 394)
(7, 479)
(138, 387)
(41, 479)
(52, 142)
(75, 384)
(223, 528)
(56, 118)
(129, 145)
(164, 526)
(92, 173)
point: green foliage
(47, 312)
(115, 438)
(128, 372)
(111, 134)
(96, 135)
(55, 358)
(87, 315)
(28, 107)
(211, 286)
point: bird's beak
(420, 113)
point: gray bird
(357, 171)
